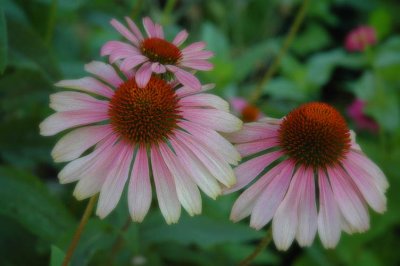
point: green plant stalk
(275, 64)
(79, 230)
(262, 245)
(169, 6)
(51, 21)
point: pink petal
(119, 50)
(247, 171)
(196, 169)
(180, 38)
(104, 72)
(61, 121)
(158, 68)
(188, 193)
(238, 104)
(143, 75)
(134, 29)
(185, 91)
(212, 118)
(307, 212)
(115, 181)
(212, 140)
(194, 47)
(197, 64)
(139, 190)
(149, 27)
(198, 55)
(84, 166)
(254, 131)
(329, 215)
(165, 188)
(87, 84)
(285, 221)
(246, 149)
(267, 203)
(74, 101)
(370, 191)
(132, 62)
(159, 31)
(348, 198)
(244, 205)
(184, 77)
(205, 100)
(125, 32)
(73, 144)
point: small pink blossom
(356, 112)
(359, 38)
(244, 110)
(154, 54)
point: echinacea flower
(356, 112)
(309, 150)
(244, 110)
(359, 38)
(121, 131)
(154, 54)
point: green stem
(136, 8)
(169, 6)
(261, 246)
(289, 39)
(79, 230)
(120, 240)
(51, 21)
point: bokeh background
(43, 41)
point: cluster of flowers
(145, 116)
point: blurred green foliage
(43, 41)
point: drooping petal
(104, 72)
(165, 188)
(133, 61)
(212, 140)
(134, 29)
(158, 68)
(185, 78)
(348, 198)
(266, 205)
(115, 181)
(253, 132)
(72, 145)
(329, 216)
(196, 169)
(139, 189)
(246, 149)
(213, 118)
(125, 32)
(188, 193)
(143, 75)
(149, 27)
(247, 171)
(87, 84)
(308, 217)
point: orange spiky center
(160, 50)
(250, 113)
(315, 134)
(144, 115)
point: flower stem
(262, 245)
(275, 64)
(51, 22)
(79, 230)
(169, 6)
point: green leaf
(314, 38)
(382, 22)
(215, 39)
(201, 230)
(24, 198)
(57, 256)
(3, 42)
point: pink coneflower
(356, 111)
(311, 148)
(154, 54)
(359, 38)
(246, 111)
(124, 131)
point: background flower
(356, 112)
(359, 38)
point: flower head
(122, 131)
(309, 148)
(246, 111)
(356, 112)
(154, 54)
(359, 38)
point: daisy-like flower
(154, 54)
(359, 38)
(309, 150)
(246, 111)
(121, 131)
